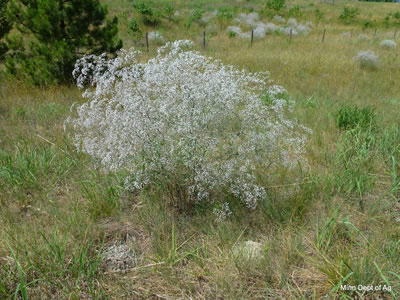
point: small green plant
(276, 5)
(168, 11)
(386, 21)
(150, 15)
(368, 24)
(319, 15)
(134, 29)
(348, 117)
(295, 11)
(232, 34)
(194, 17)
(102, 195)
(29, 168)
(225, 15)
(396, 15)
(349, 14)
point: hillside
(326, 227)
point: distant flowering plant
(367, 59)
(186, 123)
(388, 44)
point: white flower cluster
(388, 44)
(155, 36)
(363, 37)
(185, 122)
(261, 29)
(222, 213)
(367, 59)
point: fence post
(147, 41)
(290, 38)
(204, 39)
(323, 35)
(252, 37)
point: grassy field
(69, 231)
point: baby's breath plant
(367, 59)
(388, 44)
(185, 123)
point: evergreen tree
(53, 34)
(5, 27)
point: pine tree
(5, 27)
(53, 34)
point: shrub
(231, 34)
(396, 15)
(150, 15)
(367, 59)
(196, 16)
(348, 117)
(388, 44)
(5, 26)
(368, 24)
(52, 35)
(225, 15)
(295, 11)
(386, 21)
(186, 124)
(168, 11)
(276, 5)
(134, 29)
(349, 14)
(319, 15)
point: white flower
(388, 44)
(186, 122)
(223, 213)
(367, 59)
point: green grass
(333, 222)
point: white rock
(249, 250)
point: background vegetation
(67, 230)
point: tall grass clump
(348, 117)
(184, 123)
(367, 59)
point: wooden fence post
(147, 41)
(252, 37)
(204, 39)
(323, 35)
